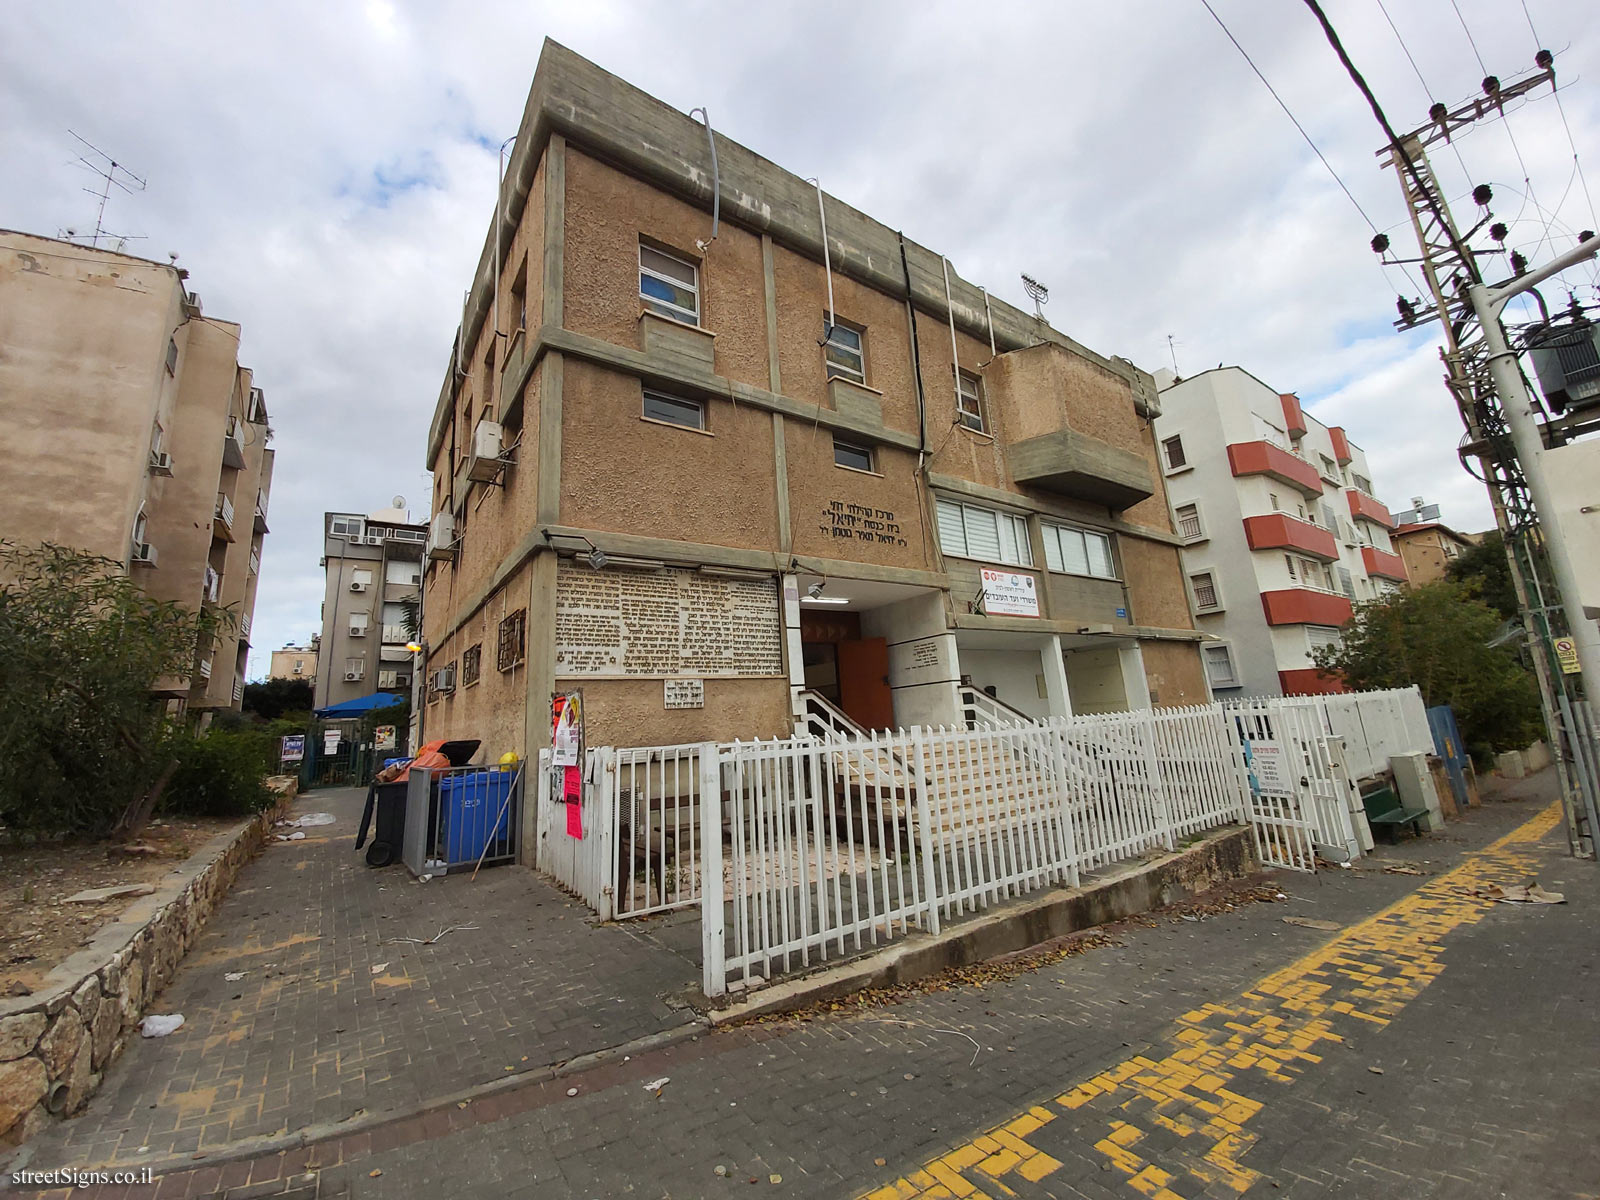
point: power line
(1505, 118)
(1428, 91)
(1321, 157)
(1582, 179)
(1289, 114)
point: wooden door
(864, 682)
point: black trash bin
(390, 833)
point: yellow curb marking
(1358, 980)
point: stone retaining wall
(56, 1043)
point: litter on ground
(159, 1026)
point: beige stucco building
(133, 432)
(1428, 548)
(725, 482)
(294, 662)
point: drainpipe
(716, 185)
(989, 318)
(827, 261)
(916, 357)
(955, 354)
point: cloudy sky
(326, 172)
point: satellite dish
(398, 502)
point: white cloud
(326, 173)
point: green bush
(220, 774)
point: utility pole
(1484, 377)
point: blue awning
(362, 704)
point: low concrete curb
(260, 1147)
(56, 1043)
(1119, 891)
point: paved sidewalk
(337, 1015)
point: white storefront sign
(1009, 594)
(1268, 764)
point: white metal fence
(824, 844)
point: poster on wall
(383, 737)
(294, 748)
(1009, 594)
(684, 693)
(566, 755)
(330, 741)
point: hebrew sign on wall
(621, 623)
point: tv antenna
(1037, 292)
(1172, 349)
(111, 174)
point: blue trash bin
(475, 815)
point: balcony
(1280, 531)
(205, 668)
(1293, 419)
(1383, 564)
(211, 588)
(1082, 467)
(1341, 445)
(222, 518)
(233, 445)
(1305, 606)
(261, 513)
(1263, 458)
(1369, 508)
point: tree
(1486, 575)
(271, 699)
(86, 744)
(1437, 637)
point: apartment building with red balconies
(1282, 533)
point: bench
(1385, 810)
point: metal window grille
(513, 639)
(1189, 521)
(1205, 590)
(471, 665)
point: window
(1346, 583)
(1078, 552)
(1329, 471)
(691, 414)
(471, 665)
(1189, 522)
(1172, 447)
(158, 439)
(141, 528)
(1301, 508)
(1205, 591)
(1288, 561)
(843, 352)
(488, 387)
(1219, 667)
(669, 286)
(172, 357)
(346, 527)
(969, 401)
(967, 531)
(847, 454)
(519, 298)
(402, 573)
(1272, 498)
(1319, 636)
(1363, 484)
(510, 650)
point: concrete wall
(83, 379)
(1018, 677)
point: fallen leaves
(1530, 893)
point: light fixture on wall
(814, 595)
(815, 590)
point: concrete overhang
(1073, 464)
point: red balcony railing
(1303, 606)
(1263, 458)
(1383, 564)
(1368, 508)
(1341, 445)
(1280, 531)
(1293, 419)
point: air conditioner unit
(297, 671)
(357, 586)
(444, 679)
(484, 465)
(402, 681)
(161, 464)
(352, 676)
(442, 536)
(144, 554)
(191, 304)
(358, 631)
(374, 539)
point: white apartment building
(373, 572)
(1282, 533)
